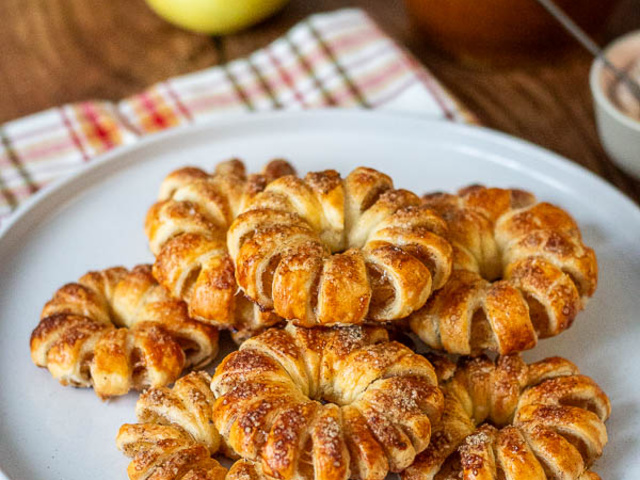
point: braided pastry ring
(187, 230)
(327, 251)
(118, 330)
(521, 272)
(514, 421)
(175, 438)
(380, 400)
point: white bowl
(619, 133)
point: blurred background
(505, 60)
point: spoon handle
(587, 42)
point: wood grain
(69, 50)
(59, 51)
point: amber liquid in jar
(481, 31)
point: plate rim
(103, 160)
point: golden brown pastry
(329, 251)
(175, 437)
(187, 231)
(117, 330)
(245, 470)
(521, 272)
(326, 404)
(509, 420)
(249, 320)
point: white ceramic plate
(94, 220)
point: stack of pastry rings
(309, 402)
(314, 276)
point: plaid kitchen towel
(338, 59)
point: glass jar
(499, 30)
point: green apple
(215, 17)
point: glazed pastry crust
(326, 404)
(515, 421)
(117, 330)
(187, 231)
(330, 251)
(175, 438)
(521, 272)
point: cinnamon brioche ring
(187, 230)
(326, 404)
(328, 251)
(521, 272)
(515, 421)
(117, 330)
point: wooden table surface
(58, 51)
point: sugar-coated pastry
(175, 437)
(117, 330)
(187, 231)
(326, 403)
(521, 272)
(510, 420)
(324, 250)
